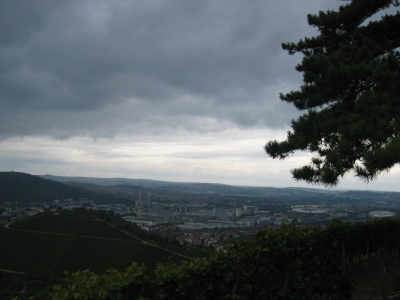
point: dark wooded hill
(17, 186)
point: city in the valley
(207, 214)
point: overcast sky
(170, 90)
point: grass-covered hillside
(72, 241)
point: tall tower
(148, 199)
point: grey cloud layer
(98, 67)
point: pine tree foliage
(350, 92)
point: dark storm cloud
(100, 67)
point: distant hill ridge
(22, 187)
(17, 186)
(210, 188)
(168, 185)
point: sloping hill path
(145, 242)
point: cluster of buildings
(204, 219)
(12, 210)
(155, 216)
(324, 213)
(197, 217)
